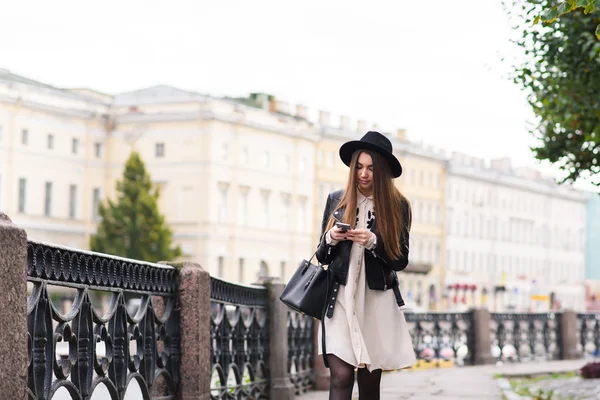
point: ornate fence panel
(109, 349)
(525, 337)
(588, 335)
(239, 344)
(442, 337)
(301, 351)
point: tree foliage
(132, 226)
(561, 76)
(552, 13)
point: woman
(365, 325)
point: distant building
(424, 183)
(592, 270)
(515, 241)
(236, 175)
(52, 158)
(243, 185)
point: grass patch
(522, 385)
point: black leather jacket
(379, 267)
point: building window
(0, 133)
(244, 156)
(96, 204)
(74, 146)
(223, 203)
(159, 150)
(282, 270)
(267, 159)
(72, 201)
(286, 163)
(48, 200)
(321, 195)
(50, 142)
(221, 267)
(243, 207)
(302, 164)
(224, 151)
(98, 150)
(285, 212)
(22, 194)
(301, 223)
(24, 137)
(241, 270)
(265, 208)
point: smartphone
(342, 226)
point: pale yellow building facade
(236, 175)
(48, 168)
(423, 182)
(243, 181)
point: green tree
(561, 76)
(132, 226)
(552, 13)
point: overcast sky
(433, 67)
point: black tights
(342, 381)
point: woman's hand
(337, 234)
(360, 236)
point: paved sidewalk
(454, 383)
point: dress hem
(370, 366)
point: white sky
(433, 67)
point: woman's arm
(327, 248)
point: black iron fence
(239, 345)
(588, 335)
(442, 337)
(134, 334)
(301, 351)
(526, 337)
(84, 347)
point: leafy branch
(567, 6)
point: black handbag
(308, 289)
(307, 292)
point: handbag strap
(324, 317)
(313, 256)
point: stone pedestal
(194, 315)
(568, 327)
(13, 310)
(482, 337)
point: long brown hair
(387, 199)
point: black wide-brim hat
(372, 141)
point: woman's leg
(342, 379)
(368, 384)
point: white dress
(367, 329)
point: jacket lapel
(339, 214)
